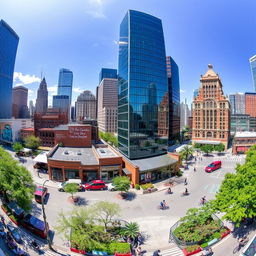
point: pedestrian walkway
(173, 251)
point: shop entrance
(89, 175)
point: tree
(237, 195)
(207, 148)
(16, 182)
(220, 147)
(71, 188)
(17, 147)
(32, 142)
(106, 211)
(131, 230)
(121, 183)
(186, 152)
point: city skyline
(99, 19)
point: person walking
(138, 251)
(185, 182)
(157, 253)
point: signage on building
(6, 132)
(78, 132)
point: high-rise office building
(107, 105)
(174, 99)
(250, 103)
(8, 48)
(85, 106)
(107, 73)
(61, 102)
(142, 85)
(211, 112)
(31, 108)
(20, 99)
(42, 98)
(252, 61)
(65, 83)
(237, 103)
(184, 114)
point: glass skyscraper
(142, 86)
(65, 83)
(107, 73)
(253, 68)
(8, 48)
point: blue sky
(82, 35)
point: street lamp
(46, 224)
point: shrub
(118, 248)
(204, 245)
(217, 235)
(147, 186)
(137, 186)
(192, 248)
(179, 173)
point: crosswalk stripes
(173, 251)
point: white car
(111, 187)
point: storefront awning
(41, 158)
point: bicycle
(241, 244)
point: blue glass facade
(65, 83)
(107, 73)
(61, 102)
(253, 69)
(142, 85)
(8, 48)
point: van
(63, 184)
(213, 166)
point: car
(15, 233)
(40, 193)
(77, 181)
(213, 166)
(95, 185)
(111, 187)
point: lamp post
(46, 224)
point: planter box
(77, 250)
(149, 191)
(125, 254)
(14, 221)
(215, 240)
(191, 253)
(225, 234)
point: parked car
(111, 187)
(40, 193)
(77, 181)
(213, 166)
(15, 233)
(95, 185)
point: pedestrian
(3, 221)
(185, 182)
(138, 251)
(157, 253)
(140, 240)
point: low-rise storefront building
(243, 141)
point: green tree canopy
(207, 148)
(71, 188)
(17, 147)
(32, 142)
(122, 183)
(186, 152)
(220, 147)
(15, 181)
(237, 195)
(106, 211)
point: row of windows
(203, 134)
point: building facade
(239, 123)
(107, 73)
(250, 103)
(252, 61)
(19, 102)
(42, 98)
(243, 141)
(184, 114)
(65, 83)
(195, 93)
(142, 85)
(61, 102)
(31, 109)
(237, 103)
(211, 112)
(107, 105)
(85, 106)
(8, 47)
(174, 99)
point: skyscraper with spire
(42, 98)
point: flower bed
(14, 219)
(190, 250)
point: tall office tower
(250, 103)
(107, 105)
(252, 61)
(8, 47)
(65, 83)
(19, 102)
(73, 114)
(142, 85)
(107, 73)
(31, 108)
(61, 102)
(211, 112)
(42, 98)
(195, 93)
(85, 106)
(237, 103)
(174, 99)
(184, 114)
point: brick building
(243, 141)
(250, 103)
(211, 112)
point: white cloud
(182, 91)
(21, 79)
(30, 91)
(52, 89)
(77, 89)
(95, 8)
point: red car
(40, 193)
(95, 185)
(213, 166)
